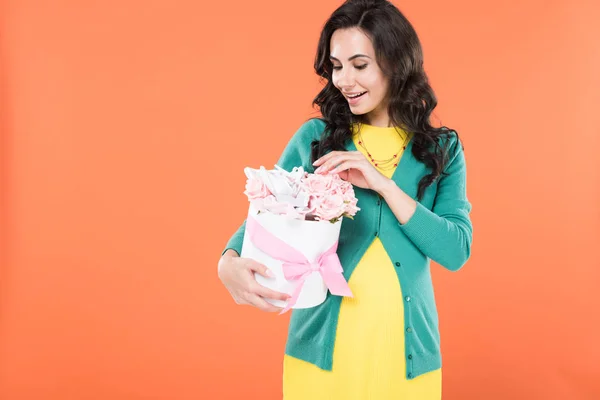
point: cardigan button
(409, 330)
(410, 356)
(407, 298)
(409, 375)
(398, 263)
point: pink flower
(317, 183)
(259, 203)
(256, 189)
(302, 196)
(270, 204)
(331, 206)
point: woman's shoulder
(448, 137)
(311, 129)
(450, 142)
(298, 150)
(452, 148)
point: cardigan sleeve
(445, 233)
(295, 154)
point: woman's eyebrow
(350, 58)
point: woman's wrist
(385, 189)
(231, 253)
(402, 205)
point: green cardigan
(440, 229)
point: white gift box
(310, 238)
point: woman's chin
(358, 110)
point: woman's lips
(355, 100)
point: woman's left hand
(352, 166)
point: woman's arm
(444, 233)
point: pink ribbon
(295, 266)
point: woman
(410, 179)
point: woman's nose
(345, 79)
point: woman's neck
(378, 120)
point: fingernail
(269, 273)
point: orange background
(125, 129)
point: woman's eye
(357, 67)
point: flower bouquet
(293, 227)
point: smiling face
(356, 71)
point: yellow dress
(368, 356)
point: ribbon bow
(295, 266)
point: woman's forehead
(346, 43)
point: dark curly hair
(399, 54)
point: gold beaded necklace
(383, 164)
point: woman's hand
(352, 166)
(237, 274)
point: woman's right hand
(237, 274)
